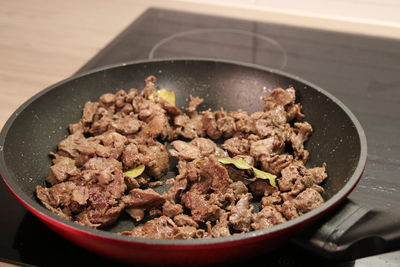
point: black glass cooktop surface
(363, 72)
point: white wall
(370, 11)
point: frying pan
(39, 124)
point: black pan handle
(351, 232)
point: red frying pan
(39, 124)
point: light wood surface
(43, 41)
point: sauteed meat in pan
(237, 172)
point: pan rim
(33, 205)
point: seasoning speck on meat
(119, 152)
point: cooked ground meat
(89, 181)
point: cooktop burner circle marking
(223, 30)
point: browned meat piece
(270, 199)
(188, 232)
(126, 109)
(221, 227)
(214, 177)
(131, 182)
(308, 200)
(211, 169)
(114, 142)
(75, 127)
(279, 97)
(210, 125)
(169, 108)
(146, 109)
(276, 163)
(290, 175)
(149, 152)
(89, 111)
(189, 127)
(132, 93)
(94, 200)
(238, 188)
(289, 210)
(62, 169)
(294, 112)
(75, 144)
(104, 173)
(317, 174)
(102, 163)
(157, 126)
(127, 124)
(286, 99)
(162, 228)
(194, 103)
(267, 217)
(113, 139)
(185, 220)
(100, 217)
(200, 208)
(239, 175)
(80, 195)
(241, 214)
(155, 158)
(261, 187)
(300, 135)
(278, 116)
(101, 122)
(56, 197)
(171, 209)
(225, 123)
(177, 188)
(236, 146)
(150, 86)
(205, 146)
(130, 156)
(155, 212)
(104, 199)
(135, 213)
(139, 198)
(120, 97)
(295, 178)
(263, 124)
(187, 171)
(185, 151)
(266, 147)
(243, 122)
(301, 184)
(224, 200)
(263, 129)
(64, 198)
(107, 99)
(155, 184)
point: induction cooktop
(363, 72)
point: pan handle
(351, 232)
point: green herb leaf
(243, 165)
(135, 172)
(239, 163)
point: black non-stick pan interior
(36, 127)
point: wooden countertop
(43, 42)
